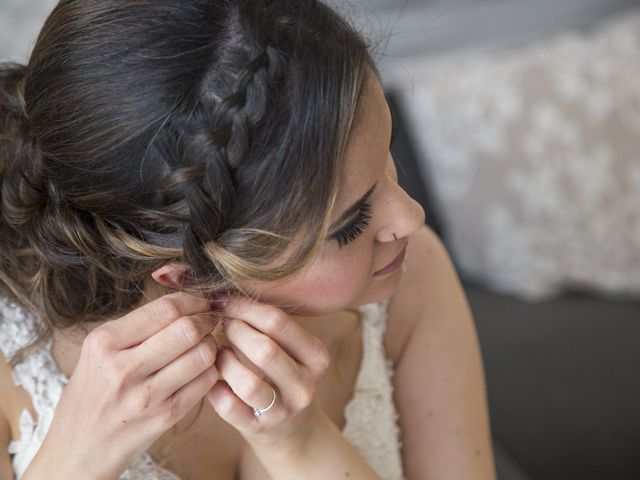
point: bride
(208, 268)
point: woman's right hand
(136, 377)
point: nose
(403, 216)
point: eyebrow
(350, 213)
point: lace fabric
(371, 416)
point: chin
(379, 289)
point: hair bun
(12, 103)
(16, 137)
(20, 161)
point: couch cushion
(533, 156)
(507, 468)
(562, 381)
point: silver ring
(259, 411)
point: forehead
(367, 146)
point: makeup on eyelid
(352, 231)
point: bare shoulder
(14, 398)
(439, 387)
(6, 392)
(6, 386)
(6, 469)
(427, 259)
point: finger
(264, 353)
(278, 325)
(230, 408)
(147, 320)
(183, 400)
(244, 383)
(166, 381)
(170, 343)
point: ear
(173, 275)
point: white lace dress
(371, 416)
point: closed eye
(356, 227)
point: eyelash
(352, 231)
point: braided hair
(148, 131)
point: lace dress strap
(41, 377)
(371, 416)
(37, 374)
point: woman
(203, 235)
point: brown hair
(146, 131)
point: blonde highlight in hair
(214, 136)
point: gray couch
(562, 375)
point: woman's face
(342, 276)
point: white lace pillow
(534, 156)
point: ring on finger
(259, 411)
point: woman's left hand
(280, 354)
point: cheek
(344, 277)
(326, 286)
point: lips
(395, 263)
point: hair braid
(213, 155)
(212, 132)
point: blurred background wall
(20, 22)
(413, 29)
